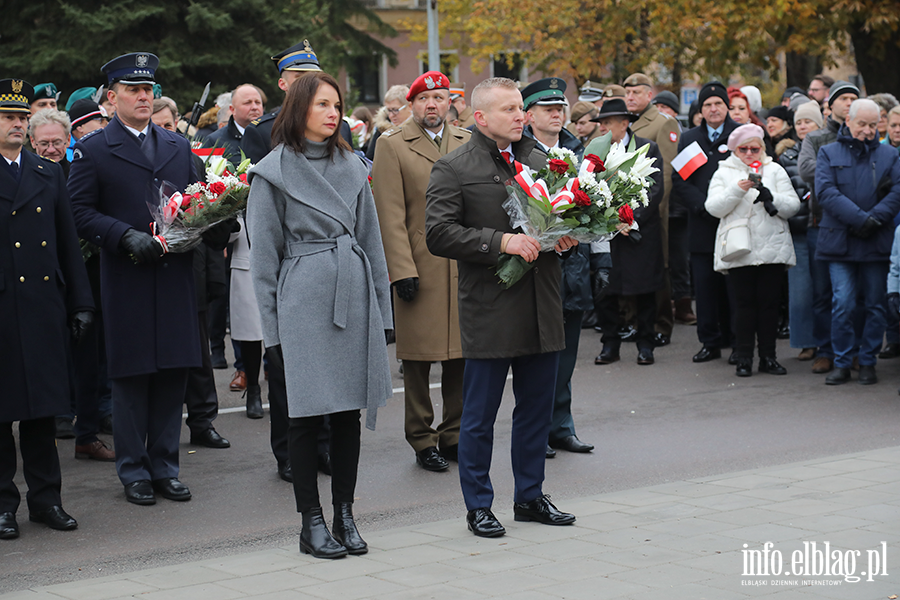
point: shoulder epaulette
(264, 118)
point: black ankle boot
(345, 530)
(744, 367)
(254, 402)
(315, 538)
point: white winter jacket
(770, 238)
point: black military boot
(315, 538)
(345, 530)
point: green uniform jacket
(465, 220)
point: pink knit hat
(744, 133)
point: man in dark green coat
(520, 327)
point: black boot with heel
(345, 530)
(315, 539)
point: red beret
(432, 80)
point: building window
(449, 64)
(364, 79)
(501, 68)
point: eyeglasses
(815, 89)
(749, 150)
(395, 111)
(58, 144)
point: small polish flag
(689, 160)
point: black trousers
(200, 397)
(40, 465)
(714, 314)
(303, 447)
(90, 383)
(679, 259)
(645, 315)
(562, 424)
(757, 295)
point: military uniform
(43, 284)
(427, 328)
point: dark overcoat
(465, 220)
(229, 138)
(149, 310)
(42, 282)
(638, 267)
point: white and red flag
(689, 160)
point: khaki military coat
(465, 220)
(467, 118)
(657, 127)
(427, 328)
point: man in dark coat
(637, 257)
(149, 302)
(710, 288)
(520, 327)
(246, 106)
(858, 187)
(545, 103)
(45, 294)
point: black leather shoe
(838, 376)
(106, 425)
(140, 492)
(324, 463)
(430, 460)
(450, 452)
(867, 375)
(768, 364)
(744, 367)
(645, 356)
(661, 339)
(733, 358)
(551, 453)
(608, 355)
(707, 354)
(254, 402)
(890, 351)
(285, 472)
(210, 439)
(54, 518)
(315, 539)
(345, 531)
(571, 443)
(483, 523)
(172, 489)
(9, 528)
(541, 510)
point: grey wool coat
(321, 280)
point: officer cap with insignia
(45, 90)
(457, 90)
(16, 95)
(297, 58)
(545, 92)
(637, 79)
(132, 69)
(426, 82)
(590, 92)
(613, 91)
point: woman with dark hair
(322, 286)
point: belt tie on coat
(344, 244)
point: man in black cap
(292, 64)
(667, 103)
(545, 106)
(86, 116)
(151, 344)
(46, 299)
(706, 144)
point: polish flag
(689, 160)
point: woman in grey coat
(322, 286)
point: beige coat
(467, 118)
(428, 327)
(657, 127)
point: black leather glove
(893, 300)
(407, 288)
(599, 283)
(765, 196)
(389, 337)
(141, 246)
(216, 237)
(275, 357)
(868, 228)
(79, 323)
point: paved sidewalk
(676, 541)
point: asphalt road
(651, 424)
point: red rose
(217, 188)
(595, 162)
(558, 166)
(186, 200)
(582, 199)
(243, 177)
(226, 173)
(626, 215)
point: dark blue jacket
(566, 140)
(42, 282)
(229, 138)
(856, 180)
(692, 193)
(149, 310)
